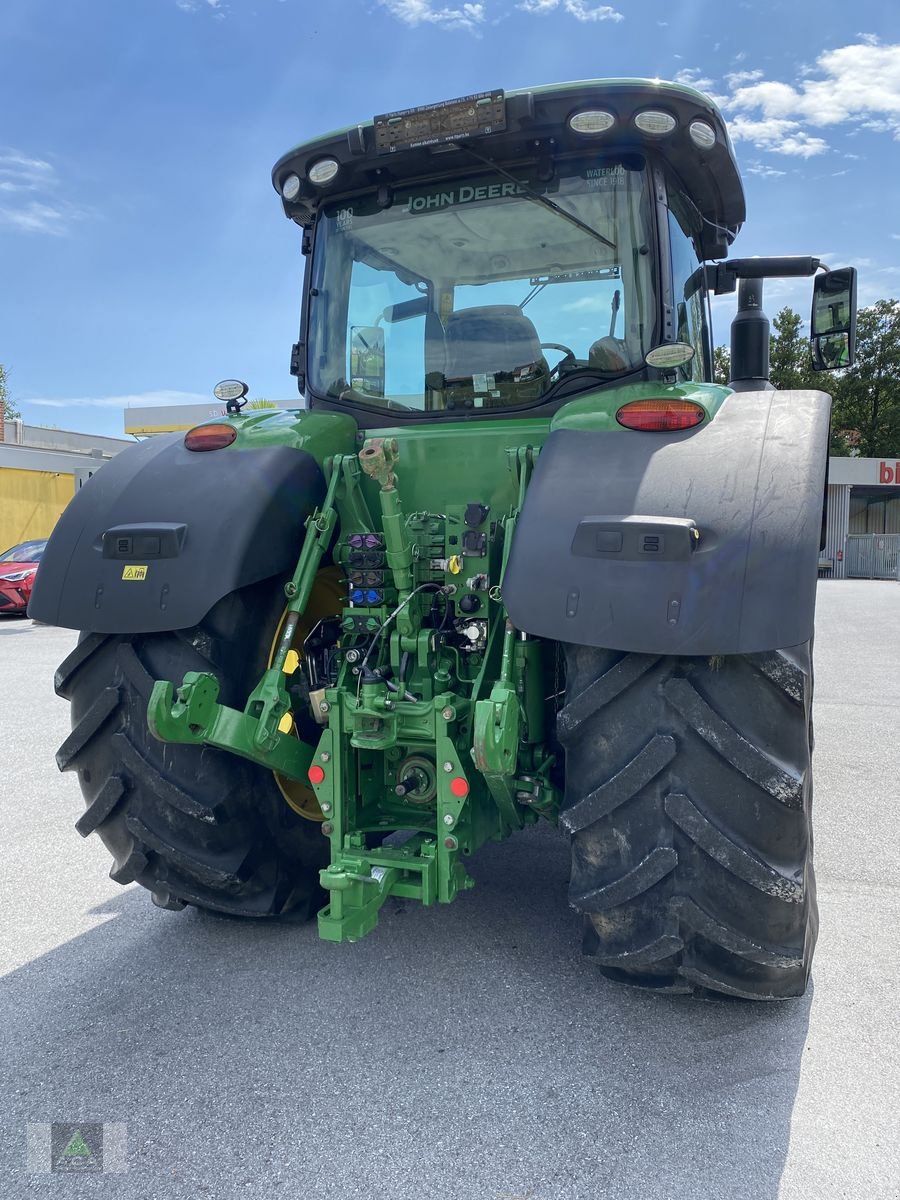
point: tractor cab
(509, 251)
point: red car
(18, 568)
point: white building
(863, 519)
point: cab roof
(536, 128)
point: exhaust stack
(750, 339)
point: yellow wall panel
(30, 503)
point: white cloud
(880, 125)
(855, 86)
(581, 11)
(470, 16)
(427, 12)
(587, 304)
(29, 190)
(34, 217)
(692, 77)
(778, 136)
(19, 173)
(134, 400)
(859, 83)
(190, 6)
(764, 171)
(736, 78)
(801, 145)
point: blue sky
(143, 253)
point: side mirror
(833, 324)
(367, 360)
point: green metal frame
(491, 767)
(485, 726)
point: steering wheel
(566, 363)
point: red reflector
(660, 415)
(210, 437)
(316, 774)
(459, 787)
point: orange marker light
(459, 787)
(210, 437)
(661, 415)
(316, 774)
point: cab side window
(691, 324)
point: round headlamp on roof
(592, 121)
(323, 171)
(290, 187)
(654, 122)
(702, 134)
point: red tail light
(210, 437)
(660, 415)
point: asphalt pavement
(465, 1052)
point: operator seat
(609, 354)
(492, 358)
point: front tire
(688, 795)
(193, 825)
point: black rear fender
(701, 542)
(160, 534)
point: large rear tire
(193, 825)
(688, 795)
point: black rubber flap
(702, 542)
(157, 536)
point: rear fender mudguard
(160, 534)
(702, 542)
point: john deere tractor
(518, 558)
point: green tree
(790, 365)
(790, 362)
(866, 413)
(866, 409)
(10, 411)
(721, 364)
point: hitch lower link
(192, 714)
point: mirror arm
(721, 278)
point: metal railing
(873, 555)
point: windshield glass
(27, 552)
(475, 295)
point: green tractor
(519, 558)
